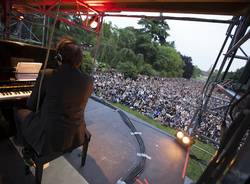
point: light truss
(83, 12)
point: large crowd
(171, 101)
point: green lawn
(195, 168)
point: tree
(235, 76)
(197, 72)
(125, 55)
(129, 69)
(149, 52)
(148, 70)
(132, 51)
(107, 52)
(102, 66)
(87, 65)
(169, 62)
(109, 34)
(126, 38)
(156, 28)
(108, 47)
(139, 62)
(188, 67)
(106, 31)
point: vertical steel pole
(239, 34)
(228, 33)
(45, 30)
(226, 154)
(98, 41)
(6, 18)
(197, 117)
(220, 71)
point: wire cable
(131, 176)
(47, 58)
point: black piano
(14, 92)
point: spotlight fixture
(184, 139)
(94, 22)
(179, 135)
(21, 17)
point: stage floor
(112, 154)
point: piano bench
(41, 160)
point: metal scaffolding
(237, 32)
(19, 22)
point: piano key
(14, 95)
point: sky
(199, 40)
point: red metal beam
(79, 9)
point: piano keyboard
(14, 95)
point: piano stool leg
(39, 173)
(84, 152)
(26, 170)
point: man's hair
(69, 51)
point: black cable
(233, 127)
(103, 102)
(227, 151)
(194, 157)
(231, 101)
(237, 102)
(139, 168)
(130, 177)
(223, 124)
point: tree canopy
(132, 51)
(156, 29)
(141, 51)
(188, 67)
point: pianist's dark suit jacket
(59, 123)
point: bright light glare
(21, 17)
(93, 24)
(186, 140)
(95, 4)
(179, 135)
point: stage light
(179, 135)
(186, 140)
(94, 24)
(95, 4)
(20, 17)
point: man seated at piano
(59, 121)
